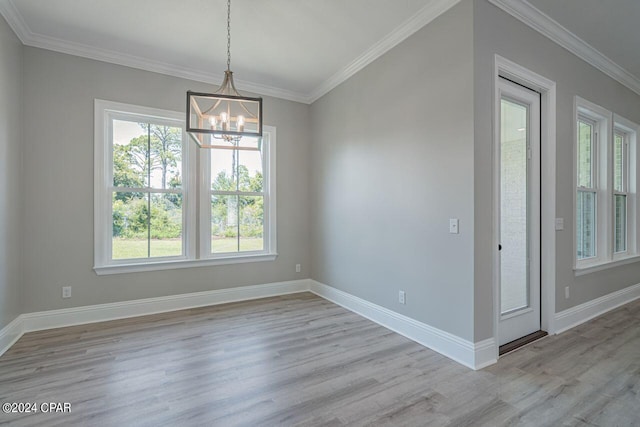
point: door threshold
(513, 345)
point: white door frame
(547, 88)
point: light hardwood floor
(301, 360)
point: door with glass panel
(518, 151)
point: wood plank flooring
(301, 360)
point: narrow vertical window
(586, 192)
(620, 189)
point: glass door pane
(514, 235)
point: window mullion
(236, 193)
(142, 190)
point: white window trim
(606, 122)
(103, 183)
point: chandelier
(222, 118)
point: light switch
(559, 223)
(453, 225)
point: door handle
(499, 247)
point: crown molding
(10, 13)
(399, 34)
(425, 15)
(29, 38)
(147, 64)
(545, 25)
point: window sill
(177, 264)
(592, 268)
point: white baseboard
(38, 321)
(473, 355)
(579, 314)
(120, 310)
(485, 353)
(10, 334)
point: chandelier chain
(228, 35)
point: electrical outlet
(402, 297)
(297, 268)
(566, 292)
(66, 292)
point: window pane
(130, 226)
(166, 225)
(250, 171)
(618, 162)
(585, 154)
(165, 154)
(224, 224)
(130, 154)
(251, 223)
(586, 224)
(620, 202)
(223, 170)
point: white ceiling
(293, 49)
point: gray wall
(11, 194)
(392, 161)
(496, 32)
(58, 157)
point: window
(238, 205)
(605, 186)
(146, 179)
(624, 159)
(147, 194)
(620, 188)
(587, 189)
